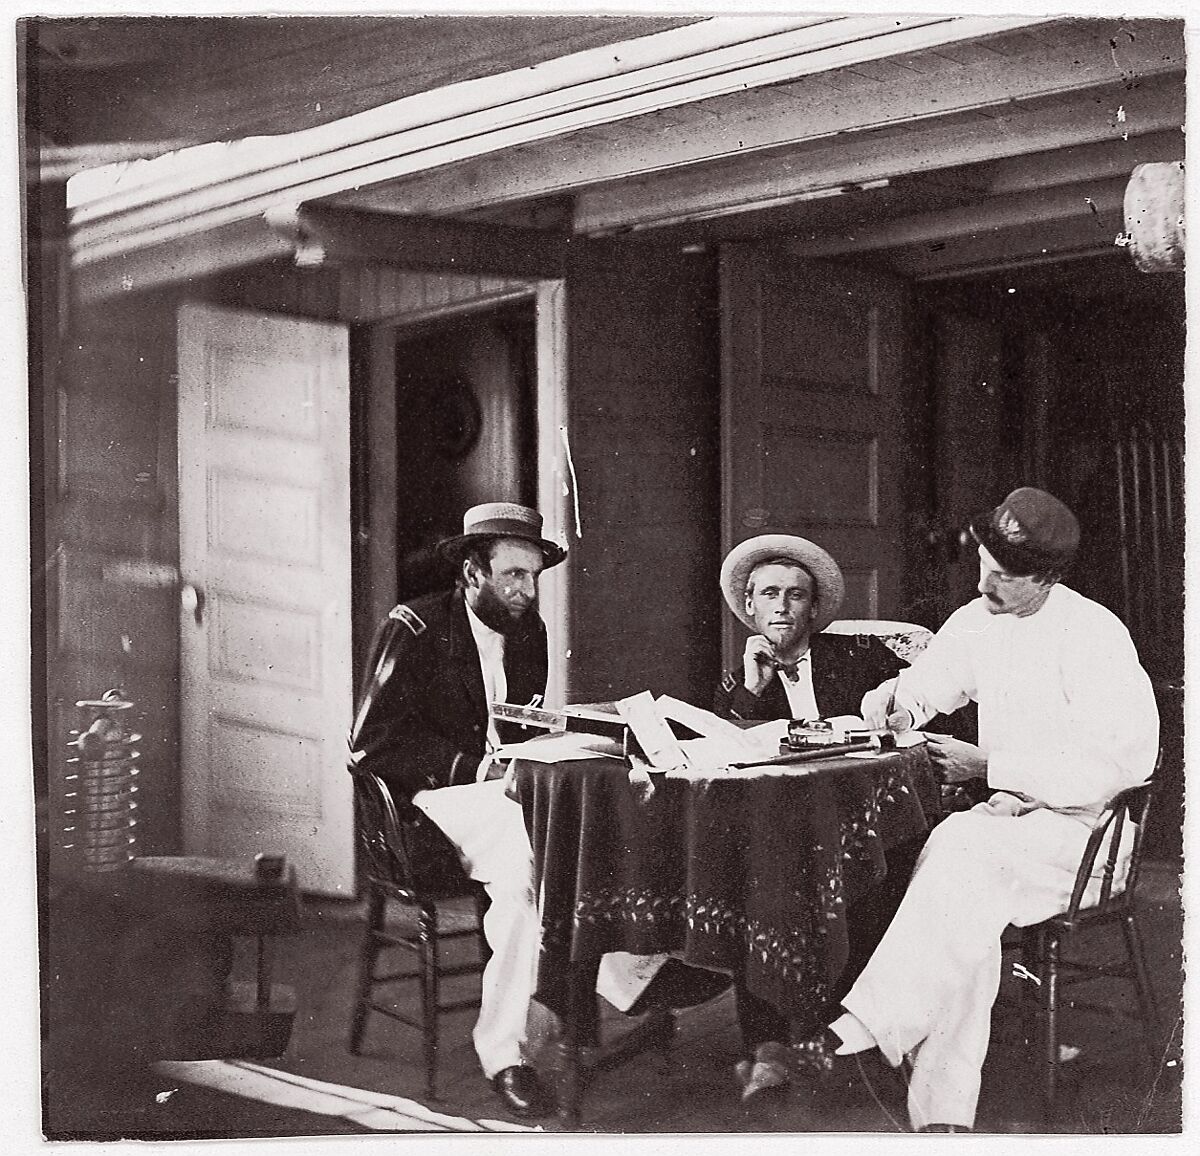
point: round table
(741, 870)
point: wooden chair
(409, 861)
(1093, 907)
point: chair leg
(366, 968)
(1049, 945)
(1031, 993)
(428, 941)
(1151, 1024)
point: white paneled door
(264, 509)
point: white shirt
(800, 695)
(1067, 715)
(490, 644)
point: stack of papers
(719, 744)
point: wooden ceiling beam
(487, 117)
(424, 244)
(991, 215)
(1105, 158)
(193, 258)
(853, 159)
(1013, 247)
(1073, 57)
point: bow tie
(790, 670)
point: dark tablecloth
(748, 870)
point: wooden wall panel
(113, 542)
(643, 397)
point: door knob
(192, 600)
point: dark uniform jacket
(422, 713)
(844, 668)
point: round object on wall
(454, 417)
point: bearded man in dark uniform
(424, 726)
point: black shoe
(943, 1128)
(766, 1077)
(522, 1092)
(678, 985)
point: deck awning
(692, 120)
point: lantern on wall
(1154, 224)
(98, 828)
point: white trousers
(488, 829)
(928, 989)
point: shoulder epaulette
(728, 683)
(409, 617)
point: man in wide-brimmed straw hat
(1067, 720)
(786, 590)
(424, 726)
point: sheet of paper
(560, 748)
(703, 722)
(654, 736)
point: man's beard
(495, 614)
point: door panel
(265, 543)
(973, 462)
(812, 360)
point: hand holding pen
(879, 709)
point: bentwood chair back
(408, 861)
(1098, 900)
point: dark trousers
(868, 917)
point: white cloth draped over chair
(904, 639)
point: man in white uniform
(1067, 720)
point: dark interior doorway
(1069, 376)
(444, 418)
(465, 432)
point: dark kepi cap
(1030, 532)
(500, 520)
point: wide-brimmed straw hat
(740, 562)
(500, 520)
(1030, 532)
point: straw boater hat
(1030, 532)
(500, 520)
(741, 560)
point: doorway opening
(446, 417)
(1069, 376)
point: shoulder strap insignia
(728, 682)
(409, 617)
